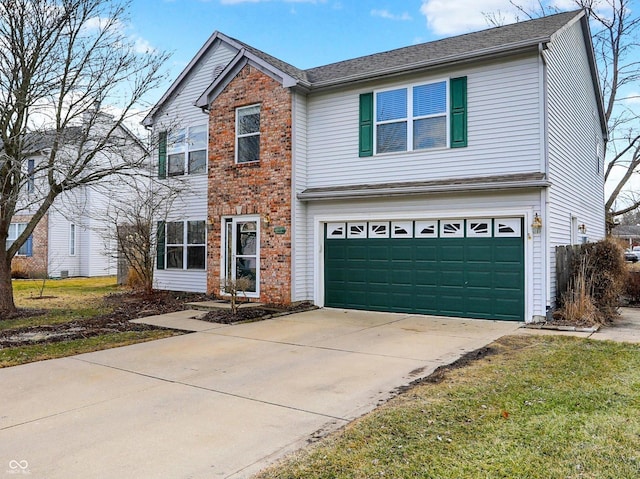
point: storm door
(242, 253)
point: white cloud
(390, 16)
(631, 99)
(141, 45)
(445, 17)
(237, 2)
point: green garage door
(465, 268)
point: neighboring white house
(436, 178)
(75, 237)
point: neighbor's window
(412, 118)
(248, 134)
(72, 239)
(186, 245)
(31, 166)
(15, 230)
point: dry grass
(578, 306)
(540, 408)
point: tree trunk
(7, 304)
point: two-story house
(76, 236)
(435, 179)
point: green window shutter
(366, 124)
(162, 155)
(458, 113)
(160, 245)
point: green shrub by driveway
(534, 407)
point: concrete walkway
(222, 402)
(625, 328)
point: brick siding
(262, 188)
(36, 265)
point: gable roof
(507, 38)
(503, 40)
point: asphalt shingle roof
(440, 51)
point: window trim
(25, 249)
(31, 183)
(246, 135)
(410, 118)
(184, 148)
(73, 239)
(185, 245)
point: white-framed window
(379, 229)
(248, 134)
(241, 252)
(15, 230)
(411, 118)
(186, 244)
(426, 229)
(356, 230)
(72, 239)
(452, 228)
(187, 151)
(336, 231)
(479, 228)
(507, 228)
(31, 184)
(402, 229)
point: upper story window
(412, 118)
(31, 166)
(248, 134)
(183, 151)
(416, 117)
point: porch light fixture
(267, 219)
(536, 224)
(582, 229)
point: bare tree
(61, 61)
(132, 226)
(615, 30)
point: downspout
(544, 193)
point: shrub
(598, 276)
(17, 273)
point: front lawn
(535, 407)
(77, 315)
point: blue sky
(305, 33)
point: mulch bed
(266, 311)
(128, 306)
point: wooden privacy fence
(564, 259)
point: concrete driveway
(222, 402)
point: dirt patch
(128, 306)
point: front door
(242, 254)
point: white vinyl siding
(302, 270)
(577, 189)
(503, 132)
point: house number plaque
(279, 230)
